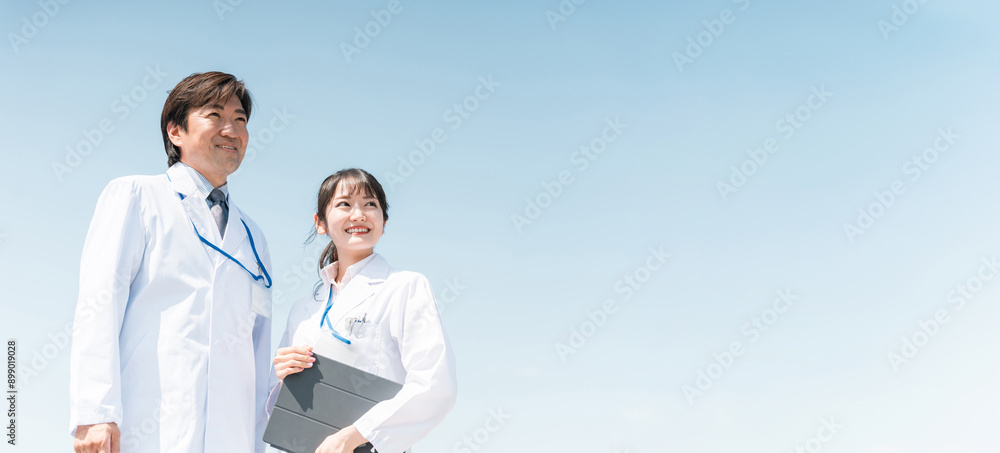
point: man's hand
(292, 359)
(345, 441)
(99, 438)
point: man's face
(215, 140)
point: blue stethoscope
(257, 278)
(324, 319)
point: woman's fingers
(297, 353)
(285, 369)
(293, 357)
(301, 349)
(285, 372)
(292, 360)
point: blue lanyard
(329, 305)
(265, 276)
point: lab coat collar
(378, 272)
(372, 272)
(197, 210)
(202, 184)
(182, 182)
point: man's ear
(174, 133)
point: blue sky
(512, 291)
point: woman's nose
(357, 213)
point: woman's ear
(320, 229)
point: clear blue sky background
(523, 290)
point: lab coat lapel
(235, 233)
(357, 291)
(363, 285)
(194, 204)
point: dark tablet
(320, 401)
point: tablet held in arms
(321, 400)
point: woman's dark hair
(195, 92)
(358, 181)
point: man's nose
(229, 129)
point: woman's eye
(215, 115)
(342, 203)
(372, 204)
(241, 119)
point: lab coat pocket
(363, 330)
(367, 336)
(326, 345)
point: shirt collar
(201, 182)
(329, 273)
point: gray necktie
(219, 208)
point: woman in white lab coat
(389, 316)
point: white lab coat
(403, 340)
(165, 342)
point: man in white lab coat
(171, 339)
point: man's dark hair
(194, 92)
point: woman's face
(353, 222)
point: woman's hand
(292, 359)
(345, 441)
